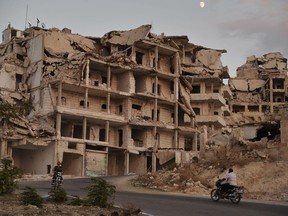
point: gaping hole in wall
(269, 130)
(139, 57)
(278, 83)
(18, 79)
(138, 136)
(126, 48)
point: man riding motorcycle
(229, 182)
(56, 169)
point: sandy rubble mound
(262, 180)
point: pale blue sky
(242, 27)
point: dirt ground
(262, 180)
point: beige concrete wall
(124, 82)
(165, 114)
(166, 139)
(95, 163)
(34, 161)
(137, 164)
(165, 64)
(165, 88)
(8, 77)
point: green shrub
(58, 195)
(100, 193)
(76, 201)
(8, 174)
(30, 197)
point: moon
(202, 4)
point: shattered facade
(260, 92)
(128, 102)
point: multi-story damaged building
(260, 93)
(127, 102)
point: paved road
(164, 204)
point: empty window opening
(253, 108)
(137, 136)
(158, 114)
(96, 82)
(158, 88)
(96, 148)
(172, 118)
(104, 80)
(238, 108)
(18, 79)
(72, 145)
(216, 90)
(104, 107)
(196, 110)
(139, 57)
(77, 131)
(188, 144)
(102, 135)
(82, 103)
(216, 113)
(136, 106)
(120, 109)
(195, 89)
(172, 87)
(120, 138)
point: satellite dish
(43, 25)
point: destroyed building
(260, 92)
(128, 102)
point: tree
(8, 174)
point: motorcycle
(57, 180)
(234, 195)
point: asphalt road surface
(167, 204)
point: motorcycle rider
(229, 182)
(56, 169)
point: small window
(82, 103)
(136, 106)
(103, 106)
(195, 89)
(139, 57)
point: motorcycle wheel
(236, 197)
(215, 195)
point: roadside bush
(58, 195)
(8, 174)
(30, 197)
(100, 193)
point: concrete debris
(130, 101)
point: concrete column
(59, 99)
(109, 77)
(58, 125)
(86, 98)
(84, 128)
(156, 58)
(195, 140)
(107, 131)
(87, 72)
(108, 102)
(271, 95)
(3, 148)
(126, 162)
